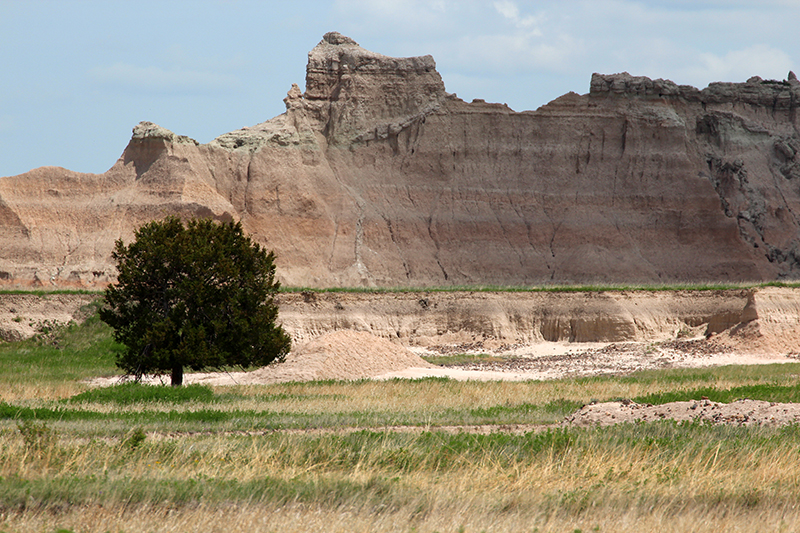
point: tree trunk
(177, 375)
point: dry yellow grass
(403, 396)
(672, 479)
(299, 518)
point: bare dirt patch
(350, 355)
(564, 360)
(740, 413)
(344, 354)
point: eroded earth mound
(343, 354)
(376, 176)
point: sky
(77, 75)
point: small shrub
(37, 437)
(135, 439)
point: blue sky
(77, 75)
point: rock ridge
(774, 94)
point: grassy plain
(378, 456)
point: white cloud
(509, 10)
(160, 80)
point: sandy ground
(547, 361)
(357, 355)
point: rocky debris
(376, 176)
(475, 347)
(696, 347)
(740, 413)
(612, 359)
(354, 335)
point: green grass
(609, 287)
(46, 292)
(316, 470)
(220, 418)
(769, 393)
(132, 393)
(62, 356)
(777, 374)
(305, 406)
(87, 350)
(462, 359)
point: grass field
(378, 456)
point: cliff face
(377, 176)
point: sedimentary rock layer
(765, 319)
(376, 176)
(507, 318)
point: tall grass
(430, 402)
(432, 480)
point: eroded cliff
(377, 176)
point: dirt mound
(740, 412)
(343, 354)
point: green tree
(196, 296)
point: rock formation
(376, 176)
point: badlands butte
(376, 176)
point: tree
(197, 296)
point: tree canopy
(197, 295)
